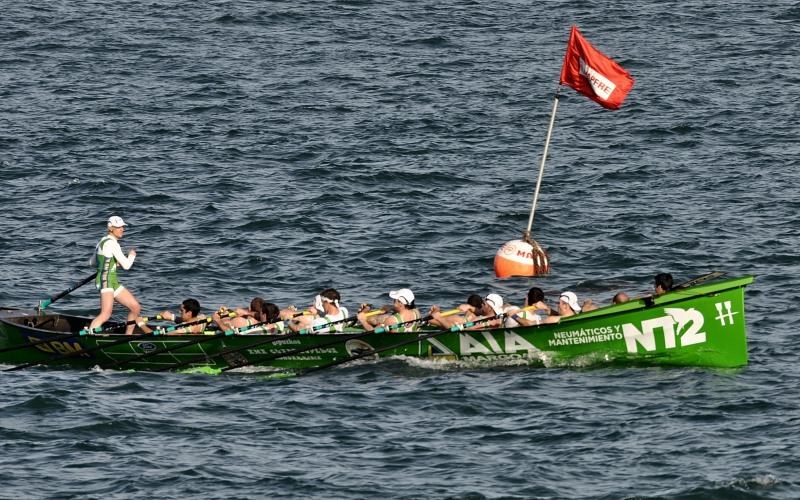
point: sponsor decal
(724, 313)
(60, 347)
(601, 85)
(355, 347)
(511, 344)
(678, 327)
(287, 342)
(147, 346)
(587, 336)
(266, 351)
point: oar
(340, 339)
(200, 340)
(305, 331)
(84, 331)
(700, 279)
(140, 322)
(649, 300)
(100, 347)
(46, 302)
(371, 352)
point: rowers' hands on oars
(220, 317)
(436, 316)
(167, 315)
(468, 311)
(444, 320)
(287, 313)
(365, 311)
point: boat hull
(699, 326)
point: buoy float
(520, 258)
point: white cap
(116, 221)
(571, 300)
(495, 302)
(404, 295)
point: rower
(620, 298)
(469, 312)
(271, 317)
(189, 312)
(327, 310)
(404, 308)
(242, 317)
(568, 304)
(493, 305)
(663, 283)
(538, 314)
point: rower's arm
(365, 324)
(446, 322)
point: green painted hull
(699, 326)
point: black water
(277, 148)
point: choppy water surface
(275, 148)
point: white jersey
(318, 323)
(509, 321)
(534, 316)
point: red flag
(593, 74)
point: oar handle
(100, 329)
(167, 329)
(306, 331)
(262, 325)
(425, 319)
(486, 319)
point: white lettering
(691, 318)
(468, 345)
(601, 85)
(514, 343)
(689, 322)
(492, 342)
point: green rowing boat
(703, 325)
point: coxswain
(107, 255)
(403, 310)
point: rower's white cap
(572, 301)
(495, 301)
(116, 221)
(404, 295)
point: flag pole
(526, 236)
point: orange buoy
(520, 258)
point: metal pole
(526, 236)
